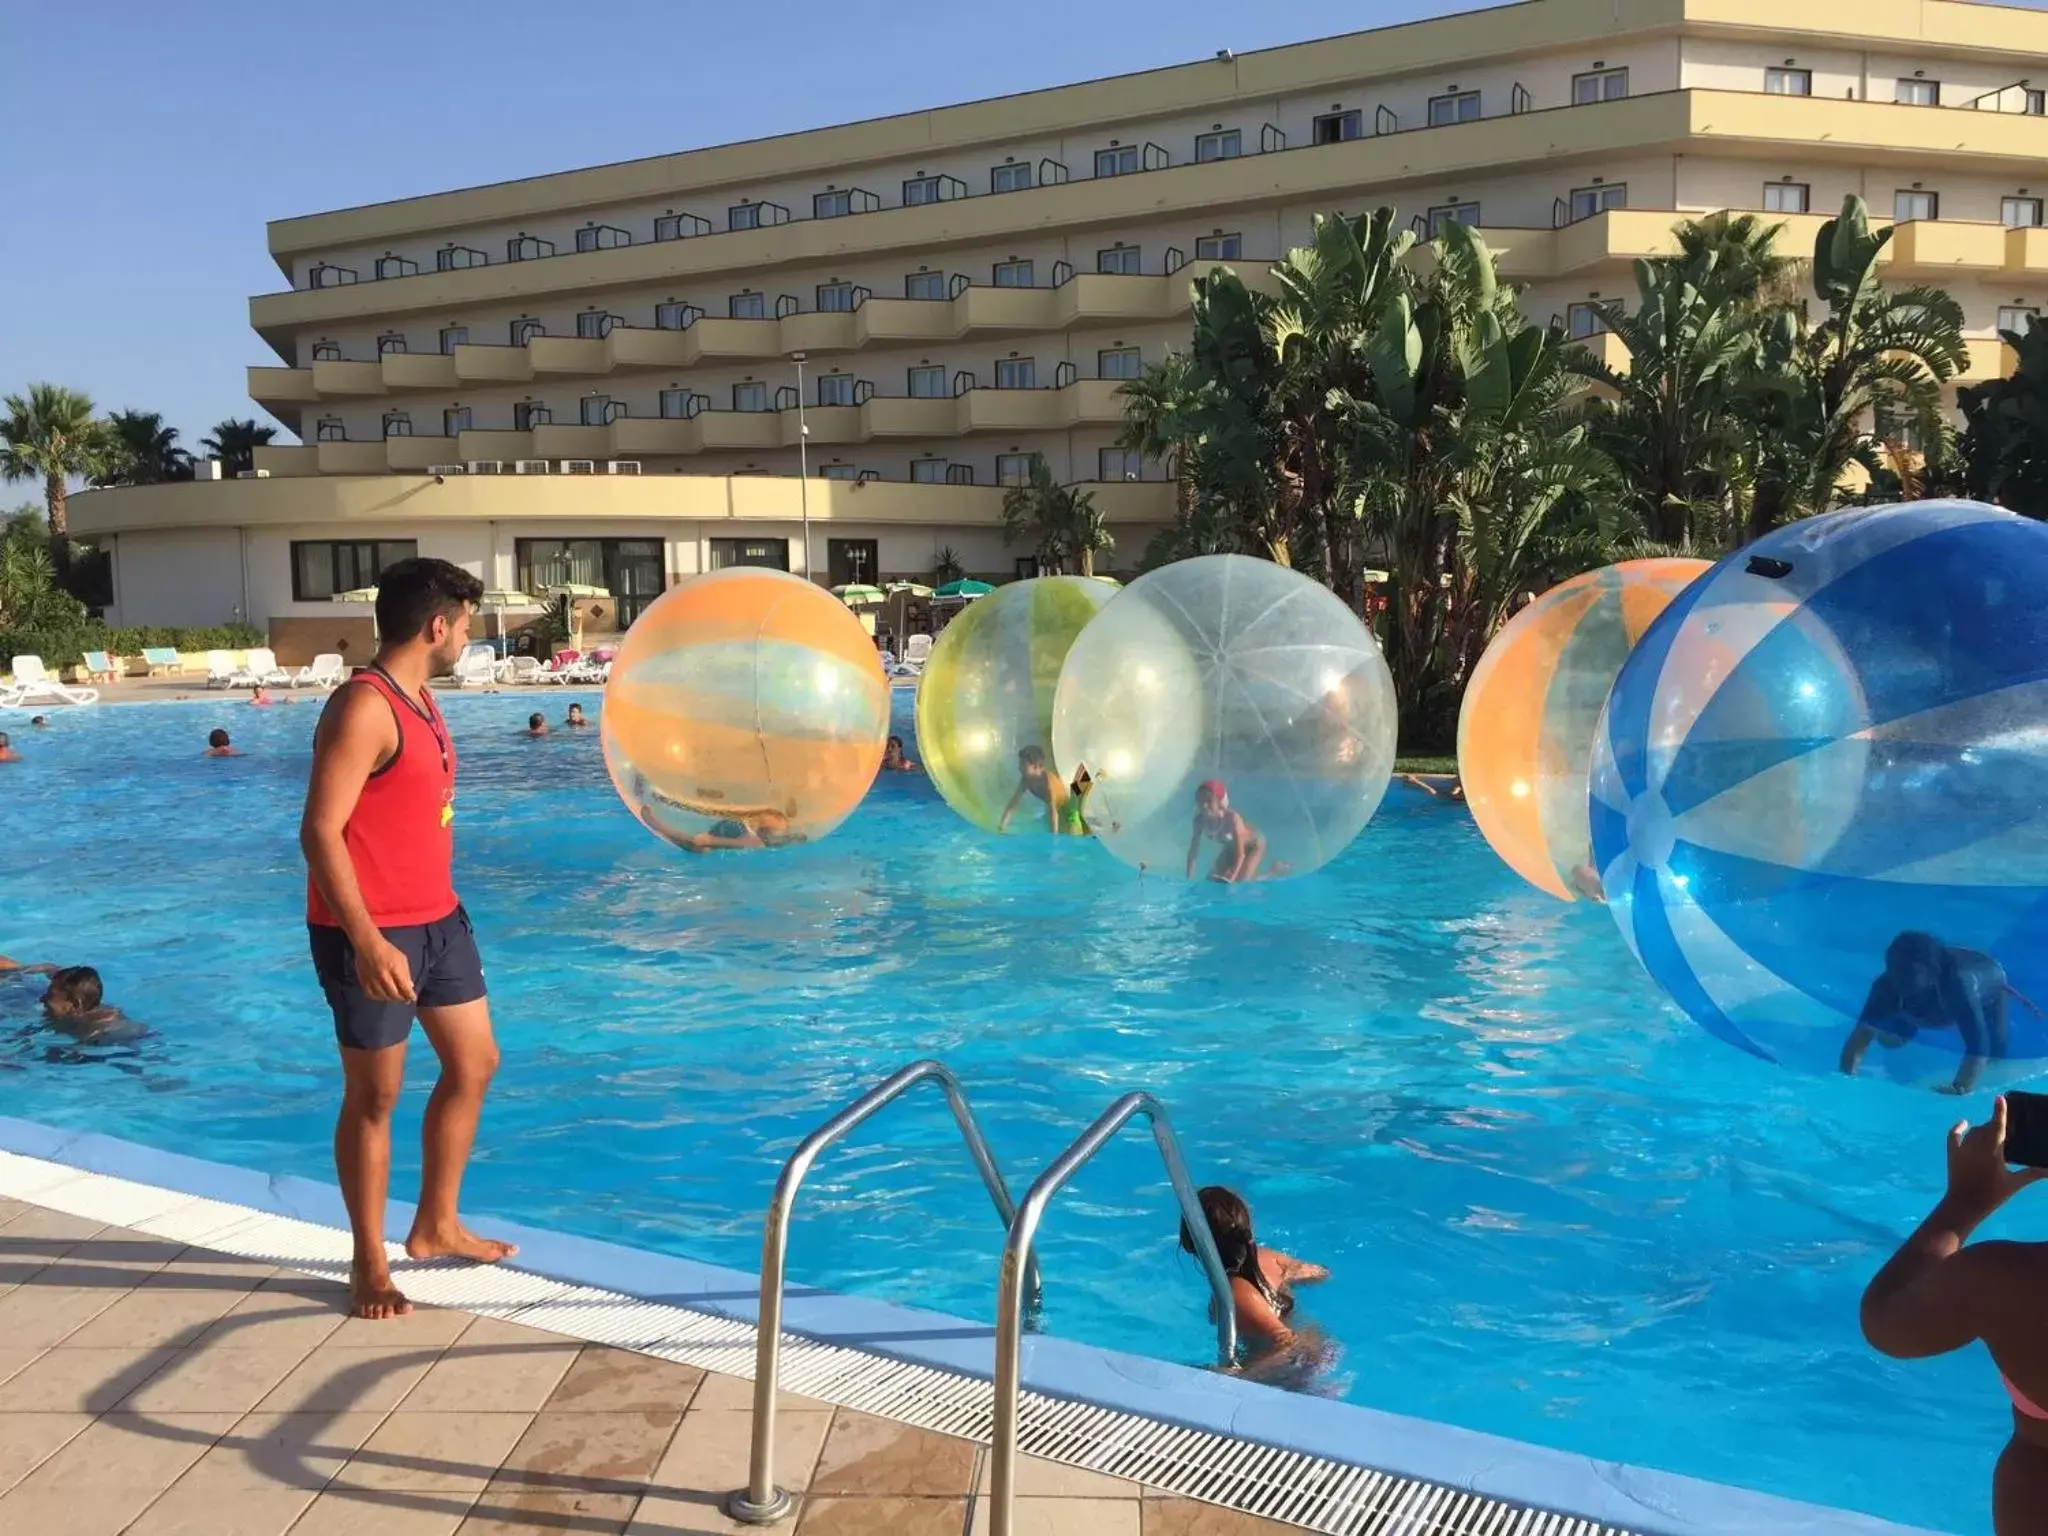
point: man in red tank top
(390, 940)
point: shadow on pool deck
(160, 1390)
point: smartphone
(2026, 1129)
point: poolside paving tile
(279, 1450)
(521, 1511)
(13, 1361)
(145, 1318)
(589, 1452)
(605, 1380)
(121, 1450)
(709, 1453)
(354, 1512)
(219, 1380)
(423, 1327)
(1186, 1517)
(80, 1380)
(27, 1440)
(882, 1517)
(1038, 1478)
(36, 1313)
(196, 1269)
(1065, 1517)
(736, 1393)
(350, 1380)
(46, 1231)
(434, 1452)
(267, 1319)
(104, 1511)
(202, 1512)
(509, 1377)
(867, 1455)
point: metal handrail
(761, 1502)
(1018, 1268)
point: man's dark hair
(4, 742)
(535, 720)
(77, 986)
(216, 737)
(1031, 757)
(413, 593)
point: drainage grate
(1308, 1491)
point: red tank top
(401, 835)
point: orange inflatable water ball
(1532, 709)
(746, 709)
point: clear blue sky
(147, 143)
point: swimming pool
(1554, 1209)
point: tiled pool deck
(151, 1388)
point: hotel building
(615, 374)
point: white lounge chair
(99, 666)
(33, 684)
(327, 670)
(262, 671)
(220, 669)
(520, 669)
(917, 650)
(478, 667)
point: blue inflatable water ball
(1819, 796)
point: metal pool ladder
(761, 1502)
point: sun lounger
(33, 684)
(327, 670)
(161, 659)
(261, 671)
(520, 669)
(100, 667)
(221, 670)
(477, 668)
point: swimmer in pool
(750, 829)
(39, 722)
(218, 745)
(893, 760)
(536, 725)
(72, 1004)
(1586, 881)
(261, 697)
(7, 752)
(1262, 1280)
(575, 720)
(1243, 848)
(1438, 786)
(1035, 778)
(1927, 984)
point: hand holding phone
(2026, 1129)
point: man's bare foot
(457, 1243)
(372, 1295)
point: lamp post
(803, 460)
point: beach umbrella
(858, 594)
(967, 587)
(577, 589)
(909, 589)
(500, 602)
(356, 595)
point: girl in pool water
(1215, 820)
(1261, 1279)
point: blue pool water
(1552, 1208)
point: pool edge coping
(1642, 1500)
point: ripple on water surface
(1552, 1208)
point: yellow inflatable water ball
(1235, 718)
(986, 697)
(1532, 709)
(746, 709)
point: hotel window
(1119, 161)
(602, 237)
(524, 331)
(330, 430)
(1466, 214)
(831, 205)
(1336, 127)
(772, 553)
(397, 424)
(1010, 178)
(835, 389)
(1583, 320)
(928, 471)
(924, 285)
(1587, 201)
(928, 383)
(2036, 104)
(597, 410)
(1918, 93)
(671, 315)
(675, 404)
(328, 276)
(921, 190)
(1119, 464)
(2017, 317)
(748, 306)
(835, 298)
(1015, 468)
(1219, 247)
(1119, 363)
(750, 397)
(1788, 82)
(528, 414)
(390, 343)
(455, 420)
(1910, 206)
(453, 336)
(323, 567)
(326, 352)
(593, 324)
(1013, 274)
(743, 216)
(668, 226)
(838, 472)
(528, 248)
(1786, 196)
(1016, 373)
(454, 258)
(1123, 260)
(1226, 144)
(1458, 107)
(1599, 85)
(395, 266)
(2020, 212)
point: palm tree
(51, 434)
(1060, 523)
(148, 451)
(946, 566)
(235, 443)
(1741, 252)
(2005, 444)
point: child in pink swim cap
(1242, 847)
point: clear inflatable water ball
(1525, 729)
(1225, 718)
(984, 703)
(746, 709)
(1818, 803)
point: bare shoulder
(355, 712)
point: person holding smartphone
(1940, 1292)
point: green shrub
(65, 644)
